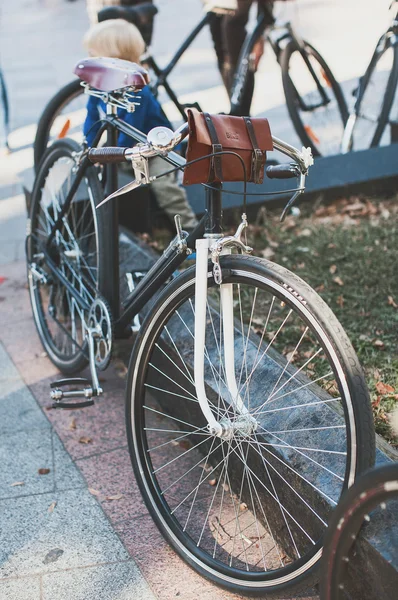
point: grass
(348, 251)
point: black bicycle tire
(367, 493)
(388, 96)
(293, 287)
(290, 97)
(64, 147)
(66, 94)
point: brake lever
(141, 172)
(123, 190)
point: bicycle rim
(248, 512)
(75, 251)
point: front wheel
(314, 99)
(247, 510)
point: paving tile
(22, 454)
(25, 588)
(75, 534)
(111, 474)
(66, 475)
(122, 581)
(18, 409)
(168, 576)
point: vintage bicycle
(247, 413)
(313, 96)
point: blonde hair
(115, 38)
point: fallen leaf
(268, 253)
(305, 233)
(391, 302)
(212, 481)
(115, 497)
(376, 402)
(338, 280)
(17, 483)
(340, 301)
(378, 344)
(53, 555)
(332, 269)
(185, 444)
(205, 467)
(72, 425)
(384, 388)
(43, 354)
(225, 487)
(243, 506)
(93, 492)
(51, 507)
(43, 471)
(85, 440)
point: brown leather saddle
(111, 74)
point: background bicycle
(374, 119)
(314, 99)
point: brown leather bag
(249, 137)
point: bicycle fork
(242, 421)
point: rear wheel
(247, 510)
(314, 99)
(75, 250)
(62, 117)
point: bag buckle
(258, 162)
(215, 163)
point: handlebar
(162, 140)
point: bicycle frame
(286, 32)
(162, 74)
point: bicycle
(314, 98)
(373, 496)
(236, 361)
(5, 110)
(366, 126)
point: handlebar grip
(106, 155)
(282, 171)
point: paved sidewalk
(55, 541)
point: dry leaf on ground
(391, 302)
(212, 481)
(338, 280)
(43, 471)
(17, 483)
(384, 388)
(72, 425)
(85, 440)
(332, 269)
(115, 497)
(93, 492)
(378, 343)
(51, 507)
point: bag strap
(258, 160)
(216, 165)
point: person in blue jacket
(116, 38)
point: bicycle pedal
(84, 389)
